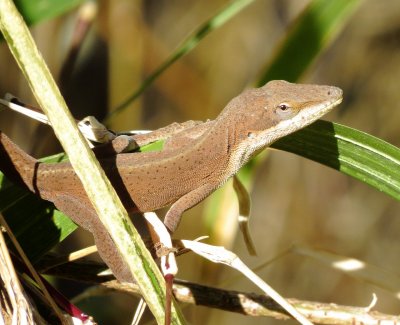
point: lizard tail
(16, 164)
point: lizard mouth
(319, 112)
(337, 102)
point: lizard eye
(283, 107)
(284, 110)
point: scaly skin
(194, 163)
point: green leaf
(154, 146)
(37, 225)
(309, 35)
(35, 11)
(352, 152)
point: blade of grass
(307, 37)
(352, 152)
(189, 44)
(105, 201)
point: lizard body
(192, 164)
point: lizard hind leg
(87, 218)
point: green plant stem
(100, 191)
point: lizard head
(264, 115)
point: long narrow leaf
(309, 35)
(355, 153)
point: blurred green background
(295, 201)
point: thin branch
(250, 304)
(256, 305)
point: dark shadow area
(30, 219)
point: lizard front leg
(174, 214)
(172, 220)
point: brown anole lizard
(193, 163)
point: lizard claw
(162, 250)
